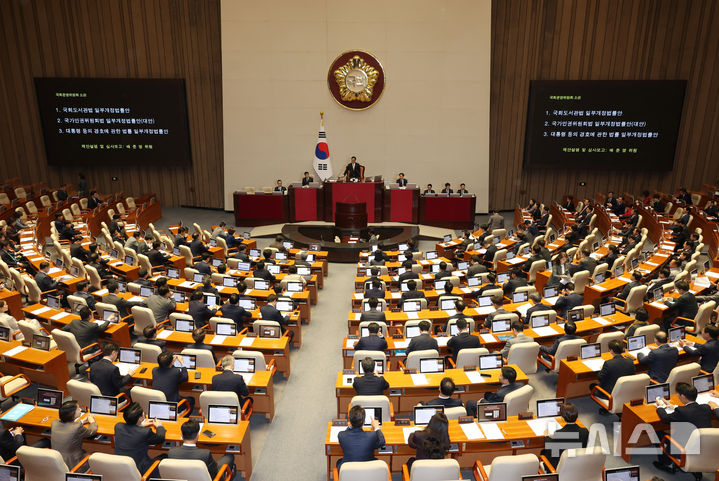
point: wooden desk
(405, 394)
(14, 302)
(48, 368)
(229, 438)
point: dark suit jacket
(625, 292)
(307, 180)
(613, 369)
(45, 282)
(78, 251)
(378, 293)
(571, 436)
(373, 316)
(85, 332)
(168, 380)
(553, 348)
(236, 313)
(156, 258)
(203, 267)
(535, 308)
(359, 445)
(660, 361)
(264, 274)
(271, 313)
(123, 307)
(686, 305)
(200, 313)
(700, 415)
(193, 452)
(412, 295)
(512, 284)
(498, 396)
(89, 299)
(463, 340)
(422, 342)
(441, 274)
(371, 343)
(180, 241)
(370, 385)
(354, 171)
(132, 440)
(9, 444)
(567, 303)
(709, 352)
(106, 376)
(449, 402)
(229, 381)
(197, 247)
(405, 276)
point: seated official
(516, 280)
(537, 306)
(379, 258)
(463, 339)
(203, 266)
(570, 330)
(568, 300)
(401, 181)
(447, 188)
(497, 300)
(709, 351)
(148, 337)
(424, 340)
(613, 369)
(143, 280)
(161, 304)
(307, 179)
(83, 292)
(167, 378)
(207, 286)
(262, 273)
(353, 171)
(685, 305)
(446, 389)
(432, 442)
(661, 359)
(156, 256)
(519, 337)
(373, 341)
(85, 331)
(242, 253)
(428, 190)
(123, 306)
(373, 314)
(43, 280)
(196, 246)
(462, 190)
(190, 433)
(67, 434)
(408, 273)
(475, 266)
(279, 187)
(369, 384)
(228, 381)
(641, 319)
(412, 293)
(491, 284)
(134, 437)
(198, 335)
(232, 310)
(106, 375)
(375, 291)
(635, 282)
(11, 439)
(269, 312)
(570, 436)
(219, 231)
(507, 379)
(197, 308)
(358, 444)
(443, 272)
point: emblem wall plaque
(356, 80)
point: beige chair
(566, 348)
(413, 358)
(600, 270)
(143, 396)
(75, 355)
(216, 319)
(537, 266)
(700, 320)
(256, 325)
(143, 317)
(376, 470)
(626, 389)
(452, 322)
(469, 357)
(27, 330)
(187, 254)
(606, 337)
(634, 301)
(260, 364)
(217, 398)
(189, 273)
(575, 464)
(175, 316)
(649, 331)
(506, 468)
(382, 402)
(41, 464)
(191, 469)
(76, 303)
(511, 317)
(518, 400)
(94, 277)
(81, 391)
(382, 327)
(113, 467)
(550, 313)
(148, 352)
(455, 412)
(11, 385)
(432, 470)
(203, 356)
(692, 457)
(580, 279)
(683, 373)
(500, 255)
(376, 355)
(34, 295)
(524, 355)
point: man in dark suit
(232, 310)
(637, 281)
(353, 171)
(491, 284)
(497, 300)
(279, 187)
(180, 238)
(447, 188)
(372, 342)
(190, 432)
(203, 266)
(412, 293)
(83, 292)
(507, 379)
(196, 246)
(375, 290)
(586, 264)
(199, 311)
(408, 273)
(463, 340)
(43, 280)
(568, 300)
(516, 280)
(78, 251)
(85, 331)
(660, 359)
(401, 181)
(358, 444)
(424, 340)
(570, 330)
(307, 179)
(148, 337)
(134, 437)
(428, 190)
(475, 266)
(198, 335)
(490, 249)
(665, 277)
(369, 384)
(614, 368)
(106, 375)
(167, 378)
(686, 305)
(157, 257)
(123, 306)
(443, 272)
(269, 312)
(709, 351)
(373, 314)
(537, 306)
(570, 436)
(94, 200)
(262, 273)
(227, 380)
(446, 389)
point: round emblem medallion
(356, 80)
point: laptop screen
(447, 304)
(434, 268)
(255, 253)
(188, 360)
(128, 355)
(294, 286)
(273, 269)
(541, 477)
(184, 325)
(173, 273)
(272, 332)
(411, 331)
(500, 325)
(225, 329)
(636, 342)
(229, 282)
(280, 256)
(676, 333)
(4, 333)
(378, 367)
(197, 277)
(653, 391)
(145, 291)
(589, 351)
(549, 292)
(49, 398)
(491, 412)
(599, 278)
(41, 342)
(490, 361)
(473, 281)
(447, 237)
(502, 277)
(244, 364)
(404, 287)
(401, 257)
(303, 270)
(431, 365)
(53, 302)
(704, 382)
(261, 285)
(129, 260)
(462, 265)
(162, 410)
(247, 303)
(576, 315)
(520, 296)
(246, 235)
(287, 244)
(210, 299)
(216, 262)
(430, 255)
(411, 306)
(630, 473)
(549, 407)
(484, 301)
(371, 413)
(243, 266)
(422, 414)
(607, 309)
(111, 316)
(540, 321)
(439, 285)
(178, 296)
(75, 271)
(105, 405)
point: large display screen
(614, 125)
(101, 122)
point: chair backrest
(452, 322)
(193, 469)
(626, 389)
(505, 468)
(143, 396)
(585, 464)
(187, 254)
(27, 329)
(76, 302)
(93, 277)
(256, 325)
(41, 464)
(683, 373)
(373, 402)
(550, 313)
(148, 352)
(33, 291)
(66, 341)
(703, 316)
(649, 331)
(114, 467)
(45, 201)
(599, 270)
(635, 299)
(410, 323)
(434, 469)
(500, 255)
(470, 356)
(80, 267)
(606, 337)
(259, 358)
(518, 400)
(382, 327)
(567, 348)
(511, 317)
(81, 391)
(204, 357)
(376, 470)
(220, 398)
(455, 412)
(143, 317)
(537, 266)
(524, 355)
(175, 316)
(130, 201)
(580, 279)
(376, 355)
(701, 442)
(413, 357)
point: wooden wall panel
(114, 38)
(602, 40)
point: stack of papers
(419, 379)
(401, 344)
(409, 430)
(472, 431)
(54, 270)
(350, 344)
(412, 315)
(545, 331)
(599, 287)
(442, 341)
(541, 425)
(594, 364)
(657, 304)
(491, 431)
(101, 292)
(483, 311)
(551, 300)
(334, 431)
(475, 377)
(125, 367)
(602, 321)
(58, 316)
(247, 376)
(706, 398)
(164, 334)
(524, 308)
(39, 311)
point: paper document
(419, 379)
(539, 426)
(247, 376)
(516, 260)
(357, 295)
(124, 367)
(334, 431)
(136, 299)
(412, 315)
(483, 311)
(39, 311)
(401, 344)
(164, 334)
(358, 316)
(101, 292)
(594, 364)
(657, 304)
(58, 316)
(442, 341)
(488, 338)
(706, 398)
(713, 275)
(551, 300)
(14, 351)
(54, 270)
(396, 295)
(644, 350)
(472, 431)
(350, 344)
(466, 290)
(491, 431)
(188, 284)
(409, 430)
(602, 321)
(653, 264)
(218, 339)
(247, 341)
(545, 331)
(475, 377)
(524, 308)
(599, 288)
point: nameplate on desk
(402, 422)
(339, 422)
(59, 316)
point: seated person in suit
(190, 433)
(412, 293)
(507, 379)
(568, 300)
(156, 256)
(134, 437)
(709, 351)
(641, 319)
(143, 278)
(67, 434)
(586, 263)
(148, 337)
(181, 237)
(497, 300)
(491, 284)
(373, 314)
(401, 181)
(408, 273)
(369, 384)
(307, 179)
(686, 305)
(269, 312)
(196, 246)
(375, 290)
(516, 280)
(661, 359)
(374, 275)
(537, 306)
(43, 280)
(432, 442)
(447, 188)
(83, 291)
(106, 375)
(636, 281)
(379, 258)
(358, 444)
(570, 436)
(197, 308)
(446, 389)
(262, 273)
(123, 306)
(227, 380)
(78, 251)
(570, 330)
(372, 342)
(207, 285)
(94, 200)
(203, 266)
(613, 369)
(428, 190)
(161, 303)
(198, 335)
(462, 340)
(424, 340)
(85, 331)
(462, 190)
(475, 266)
(11, 439)
(519, 337)
(443, 272)
(167, 378)
(232, 310)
